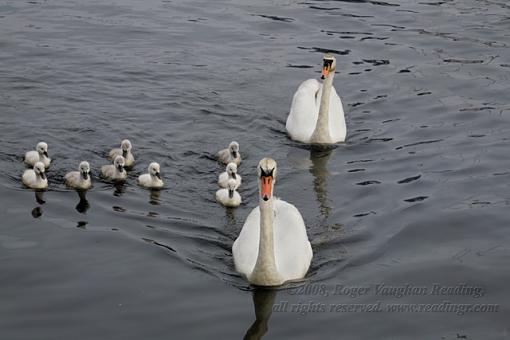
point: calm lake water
(419, 195)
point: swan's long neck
(265, 272)
(321, 132)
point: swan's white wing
(114, 153)
(293, 251)
(28, 177)
(246, 247)
(304, 111)
(31, 157)
(337, 128)
(72, 177)
(108, 171)
(223, 179)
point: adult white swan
(273, 246)
(316, 114)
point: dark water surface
(418, 195)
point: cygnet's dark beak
(124, 153)
(120, 167)
(85, 175)
(158, 175)
(234, 176)
(45, 153)
(43, 175)
(230, 193)
(234, 153)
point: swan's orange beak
(325, 70)
(267, 186)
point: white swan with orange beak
(316, 114)
(273, 245)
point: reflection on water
(319, 158)
(83, 205)
(231, 221)
(119, 189)
(154, 196)
(231, 217)
(36, 212)
(263, 300)
(82, 224)
(39, 197)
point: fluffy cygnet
(40, 154)
(79, 179)
(230, 173)
(115, 171)
(230, 154)
(124, 151)
(152, 179)
(35, 178)
(229, 197)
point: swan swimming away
(316, 114)
(35, 178)
(273, 245)
(79, 179)
(230, 154)
(229, 197)
(152, 179)
(115, 171)
(40, 154)
(124, 151)
(230, 173)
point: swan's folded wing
(293, 251)
(223, 179)
(246, 247)
(107, 170)
(70, 176)
(31, 157)
(304, 111)
(114, 152)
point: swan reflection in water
(39, 198)
(263, 301)
(154, 196)
(120, 189)
(83, 205)
(319, 170)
